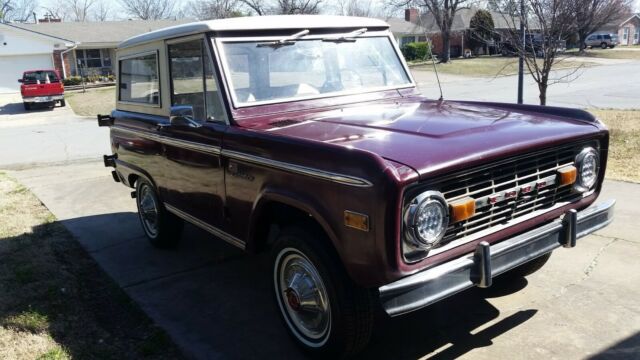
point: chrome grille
(514, 174)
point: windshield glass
(267, 71)
(40, 77)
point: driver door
(193, 165)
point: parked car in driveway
(306, 136)
(601, 40)
(41, 87)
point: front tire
(604, 45)
(323, 310)
(163, 229)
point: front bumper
(42, 99)
(478, 269)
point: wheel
(604, 45)
(530, 267)
(27, 106)
(63, 103)
(162, 228)
(324, 311)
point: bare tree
(443, 12)
(290, 7)
(213, 9)
(79, 10)
(17, 10)
(102, 11)
(592, 15)
(259, 7)
(149, 9)
(547, 23)
(356, 8)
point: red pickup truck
(41, 86)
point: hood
(433, 136)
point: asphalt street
(614, 84)
(216, 302)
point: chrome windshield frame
(220, 52)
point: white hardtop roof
(257, 23)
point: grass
(624, 149)
(93, 102)
(55, 302)
(609, 54)
(486, 66)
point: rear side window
(40, 77)
(139, 79)
(608, 37)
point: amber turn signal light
(462, 209)
(567, 175)
(356, 220)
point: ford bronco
(306, 136)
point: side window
(592, 37)
(599, 37)
(193, 81)
(139, 80)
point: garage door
(12, 67)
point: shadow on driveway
(216, 302)
(18, 108)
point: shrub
(72, 80)
(416, 51)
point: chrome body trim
(257, 160)
(439, 282)
(43, 98)
(297, 169)
(190, 145)
(203, 225)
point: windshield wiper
(349, 37)
(289, 40)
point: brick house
(460, 29)
(629, 31)
(81, 46)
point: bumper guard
(478, 269)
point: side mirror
(20, 80)
(182, 115)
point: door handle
(162, 126)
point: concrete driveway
(216, 302)
(44, 136)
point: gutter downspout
(64, 68)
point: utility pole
(522, 53)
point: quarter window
(139, 80)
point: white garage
(22, 50)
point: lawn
(93, 102)
(608, 54)
(486, 66)
(624, 150)
(55, 302)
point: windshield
(268, 71)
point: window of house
(90, 58)
(636, 35)
(422, 39)
(625, 33)
(139, 79)
(406, 39)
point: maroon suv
(306, 136)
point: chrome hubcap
(148, 210)
(303, 296)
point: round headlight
(426, 219)
(587, 164)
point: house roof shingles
(107, 32)
(401, 26)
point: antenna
(433, 61)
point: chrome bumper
(478, 269)
(40, 99)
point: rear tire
(63, 103)
(27, 106)
(323, 310)
(162, 228)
